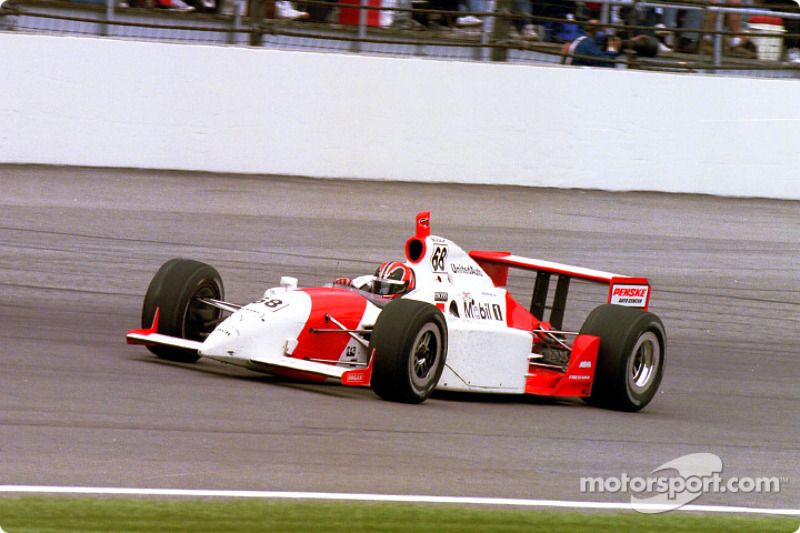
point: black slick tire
(174, 291)
(630, 361)
(410, 343)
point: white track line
(400, 498)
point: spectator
(642, 39)
(637, 15)
(522, 27)
(556, 9)
(689, 21)
(791, 41)
(204, 6)
(594, 49)
(174, 5)
(469, 20)
(404, 20)
(737, 45)
(643, 45)
(284, 9)
(567, 30)
(436, 20)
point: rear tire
(630, 361)
(410, 343)
(174, 291)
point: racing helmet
(393, 279)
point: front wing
(348, 376)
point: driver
(391, 279)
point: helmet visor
(388, 287)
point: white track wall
(114, 103)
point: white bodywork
(253, 334)
(484, 352)
(265, 333)
(501, 365)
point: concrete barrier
(116, 103)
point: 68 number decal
(274, 304)
(438, 259)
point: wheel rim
(644, 362)
(200, 318)
(425, 354)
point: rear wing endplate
(623, 290)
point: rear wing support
(541, 288)
(623, 290)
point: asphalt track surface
(78, 248)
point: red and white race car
(441, 320)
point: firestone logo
(697, 473)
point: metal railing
(494, 40)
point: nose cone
(258, 331)
(224, 341)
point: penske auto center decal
(630, 295)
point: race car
(441, 320)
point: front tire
(630, 361)
(410, 343)
(174, 291)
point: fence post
(362, 26)
(719, 39)
(256, 19)
(236, 22)
(105, 28)
(487, 32)
(502, 23)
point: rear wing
(622, 290)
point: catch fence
(390, 28)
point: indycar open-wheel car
(456, 328)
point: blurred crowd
(688, 30)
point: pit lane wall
(114, 103)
